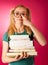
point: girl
(20, 24)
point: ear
(12, 10)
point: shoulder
(5, 37)
(31, 36)
(5, 34)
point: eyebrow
(18, 11)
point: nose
(20, 15)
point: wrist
(14, 59)
(30, 25)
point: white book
(21, 47)
(19, 37)
(21, 50)
(20, 44)
(14, 54)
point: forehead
(20, 9)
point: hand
(25, 21)
(23, 55)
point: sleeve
(5, 37)
(31, 36)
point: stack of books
(19, 44)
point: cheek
(15, 19)
(26, 17)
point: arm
(6, 59)
(37, 34)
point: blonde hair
(12, 28)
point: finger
(23, 17)
(17, 56)
(25, 54)
(21, 56)
(28, 55)
(22, 53)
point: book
(20, 44)
(20, 50)
(11, 54)
(19, 37)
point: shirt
(25, 61)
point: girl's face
(17, 13)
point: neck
(21, 29)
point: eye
(23, 14)
(16, 13)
